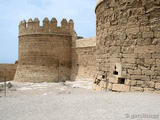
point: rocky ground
(75, 101)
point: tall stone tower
(128, 45)
(44, 51)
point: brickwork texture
(7, 72)
(128, 45)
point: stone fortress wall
(44, 51)
(7, 72)
(124, 56)
(128, 45)
(83, 59)
(50, 53)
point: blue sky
(13, 11)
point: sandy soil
(75, 101)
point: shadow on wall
(83, 64)
(74, 66)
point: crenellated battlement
(48, 27)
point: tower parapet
(48, 27)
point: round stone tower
(44, 51)
(128, 45)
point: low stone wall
(7, 71)
(83, 59)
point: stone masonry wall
(44, 51)
(128, 45)
(83, 59)
(7, 72)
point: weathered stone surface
(87, 42)
(148, 72)
(140, 83)
(109, 87)
(145, 49)
(155, 56)
(133, 82)
(157, 91)
(133, 30)
(133, 89)
(83, 60)
(157, 85)
(136, 77)
(103, 84)
(139, 47)
(120, 88)
(7, 72)
(151, 84)
(147, 35)
(113, 80)
(98, 88)
(129, 60)
(149, 90)
(128, 82)
(134, 72)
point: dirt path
(75, 101)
